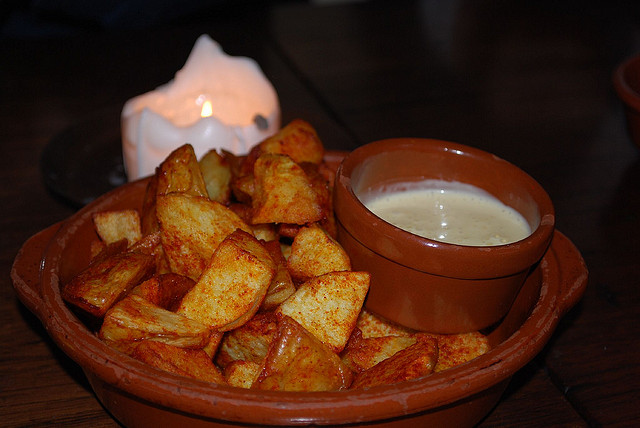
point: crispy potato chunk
(236, 163)
(234, 284)
(192, 227)
(265, 231)
(328, 306)
(107, 280)
(372, 325)
(148, 244)
(299, 140)
(283, 192)
(323, 189)
(243, 188)
(328, 173)
(286, 250)
(246, 163)
(288, 230)
(100, 251)
(413, 362)
(242, 374)
(134, 319)
(298, 361)
(152, 244)
(216, 173)
(212, 347)
(193, 363)
(148, 219)
(456, 349)
(314, 253)
(180, 172)
(97, 246)
(242, 183)
(165, 291)
(249, 342)
(242, 210)
(361, 354)
(282, 285)
(162, 263)
(112, 226)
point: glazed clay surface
(141, 396)
(426, 284)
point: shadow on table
(68, 365)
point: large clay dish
(141, 396)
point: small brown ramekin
(426, 284)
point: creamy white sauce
(449, 212)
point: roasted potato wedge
(234, 284)
(323, 189)
(249, 342)
(193, 363)
(372, 325)
(216, 173)
(165, 291)
(101, 251)
(212, 347)
(192, 227)
(299, 140)
(456, 349)
(298, 361)
(242, 374)
(113, 226)
(288, 230)
(107, 280)
(263, 231)
(314, 253)
(97, 246)
(134, 319)
(243, 188)
(283, 192)
(148, 218)
(286, 250)
(152, 244)
(180, 172)
(282, 285)
(416, 361)
(148, 244)
(328, 306)
(361, 354)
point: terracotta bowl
(626, 81)
(138, 395)
(426, 284)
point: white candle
(214, 101)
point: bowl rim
(557, 295)
(629, 96)
(382, 236)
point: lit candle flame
(206, 109)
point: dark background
(528, 81)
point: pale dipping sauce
(449, 212)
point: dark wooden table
(528, 81)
